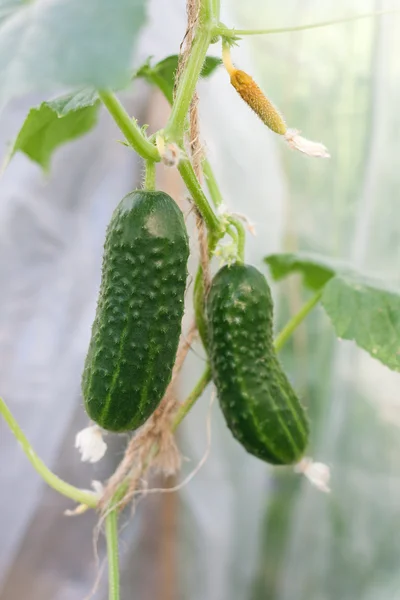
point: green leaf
(361, 309)
(54, 123)
(48, 45)
(162, 75)
(367, 313)
(316, 270)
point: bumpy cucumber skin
(260, 407)
(136, 330)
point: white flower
(90, 444)
(297, 142)
(317, 473)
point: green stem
(212, 184)
(241, 237)
(199, 296)
(52, 480)
(231, 231)
(199, 198)
(191, 399)
(228, 33)
(199, 308)
(129, 127)
(150, 175)
(210, 10)
(218, 200)
(216, 7)
(295, 321)
(112, 554)
(187, 84)
(206, 11)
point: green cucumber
(137, 326)
(260, 407)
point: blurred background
(240, 529)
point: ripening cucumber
(137, 325)
(260, 407)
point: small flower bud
(90, 444)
